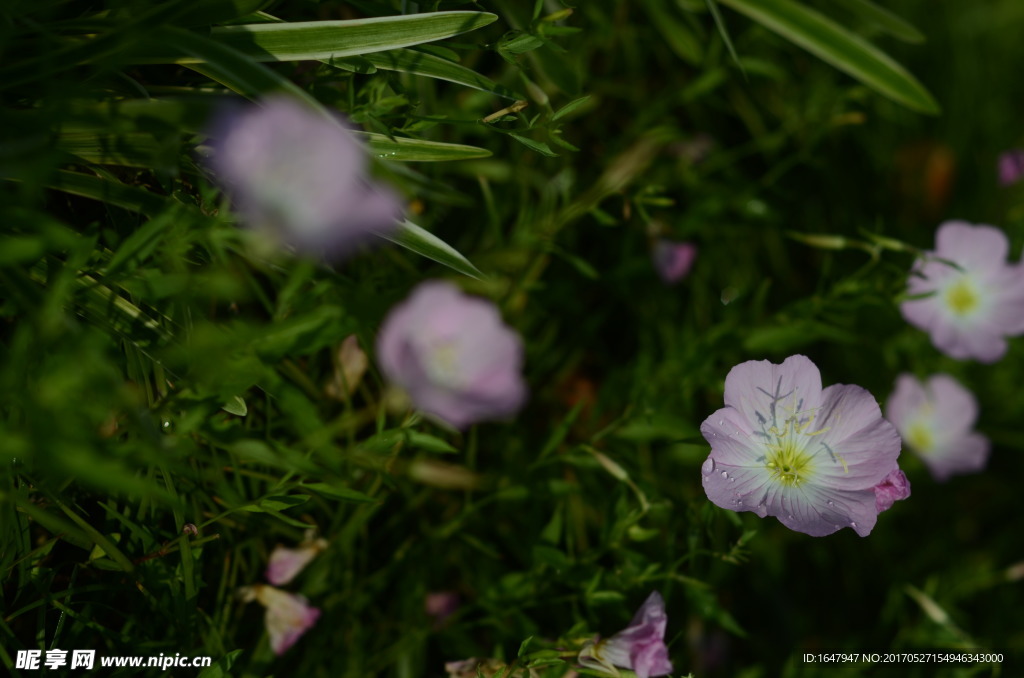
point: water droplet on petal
(732, 480)
(831, 503)
(709, 466)
(724, 474)
(853, 524)
(720, 422)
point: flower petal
(856, 447)
(766, 394)
(973, 247)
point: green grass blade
(419, 150)
(112, 192)
(884, 20)
(420, 63)
(832, 43)
(230, 68)
(425, 243)
(309, 40)
(428, 65)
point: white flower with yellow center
(975, 298)
(936, 419)
(817, 459)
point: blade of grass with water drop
(402, 149)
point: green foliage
(173, 402)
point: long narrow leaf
(309, 40)
(230, 68)
(884, 20)
(419, 63)
(418, 150)
(426, 244)
(832, 43)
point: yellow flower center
(962, 297)
(919, 437)
(788, 462)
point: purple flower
(288, 615)
(970, 310)
(300, 178)
(1011, 166)
(453, 355)
(936, 419)
(639, 647)
(784, 447)
(286, 563)
(672, 259)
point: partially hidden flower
(300, 178)
(1011, 166)
(936, 419)
(673, 260)
(973, 305)
(782, 446)
(640, 647)
(473, 668)
(351, 364)
(453, 355)
(288, 615)
(286, 563)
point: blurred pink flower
(286, 563)
(453, 355)
(1011, 166)
(440, 605)
(784, 447)
(673, 260)
(640, 647)
(300, 178)
(972, 309)
(288, 615)
(936, 419)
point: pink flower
(286, 563)
(440, 605)
(673, 260)
(784, 447)
(453, 355)
(300, 178)
(639, 647)
(970, 310)
(936, 419)
(288, 615)
(1011, 166)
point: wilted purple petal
(1011, 166)
(453, 355)
(286, 563)
(936, 419)
(894, 488)
(784, 447)
(971, 309)
(288, 615)
(300, 178)
(673, 260)
(639, 647)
